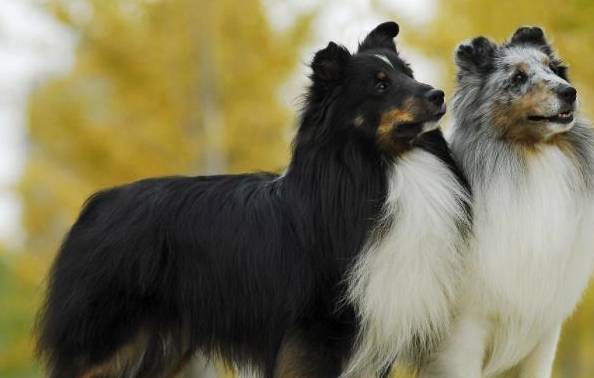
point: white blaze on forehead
(384, 59)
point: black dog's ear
(476, 56)
(328, 64)
(382, 37)
(531, 35)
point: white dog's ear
(476, 56)
(531, 35)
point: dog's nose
(435, 96)
(567, 94)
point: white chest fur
(404, 282)
(532, 254)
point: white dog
(531, 168)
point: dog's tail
(103, 315)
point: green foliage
(18, 301)
(159, 88)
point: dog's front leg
(539, 363)
(462, 352)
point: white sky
(34, 47)
(348, 21)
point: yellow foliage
(165, 87)
(568, 25)
(158, 88)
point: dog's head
(520, 88)
(372, 94)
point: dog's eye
(519, 77)
(381, 86)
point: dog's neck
(338, 188)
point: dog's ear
(476, 56)
(382, 37)
(328, 64)
(531, 35)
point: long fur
(405, 283)
(255, 268)
(533, 246)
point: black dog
(276, 274)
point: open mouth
(563, 117)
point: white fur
(532, 256)
(403, 284)
(430, 126)
(384, 59)
(539, 363)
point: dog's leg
(539, 363)
(304, 357)
(143, 356)
(462, 353)
(125, 361)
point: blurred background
(95, 93)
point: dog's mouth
(437, 116)
(420, 126)
(564, 117)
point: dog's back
(160, 261)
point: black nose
(567, 94)
(435, 96)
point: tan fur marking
(292, 360)
(564, 144)
(522, 67)
(512, 118)
(390, 120)
(125, 358)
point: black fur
(235, 266)
(535, 37)
(381, 37)
(476, 56)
